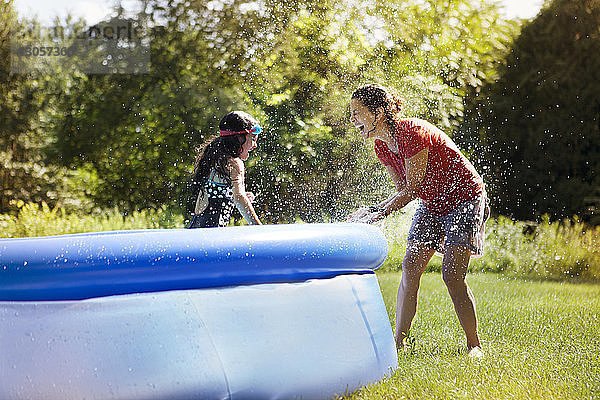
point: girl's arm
(415, 172)
(201, 202)
(358, 215)
(240, 196)
(416, 166)
(398, 183)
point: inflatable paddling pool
(261, 312)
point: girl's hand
(371, 217)
(251, 196)
(358, 214)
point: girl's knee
(453, 279)
(409, 284)
(411, 272)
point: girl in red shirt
(423, 162)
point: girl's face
(363, 119)
(248, 146)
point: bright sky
(95, 10)
(521, 8)
(46, 10)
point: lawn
(541, 339)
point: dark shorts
(463, 226)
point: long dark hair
(215, 154)
(374, 96)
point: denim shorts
(463, 226)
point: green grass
(541, 339)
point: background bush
(549, 250)
(41, 220)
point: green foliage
(28, 100)
(540, 340)
(306, 164)
(539, 123)
(556, 250)
(21, 173)
(35, 220)
(435, 52)
(139, 132)
(294, 66)
(548, 250)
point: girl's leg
(415, 261)
(454, 272)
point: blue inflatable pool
(262, 312)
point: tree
(293, 65)
(316, 168)
(138, 132)
(539, 123)
(25, 173)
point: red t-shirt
(450, 179)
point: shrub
(548, 250)
(41, 220)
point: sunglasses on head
(255, 130)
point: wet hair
(374, 96)
(215, 154)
